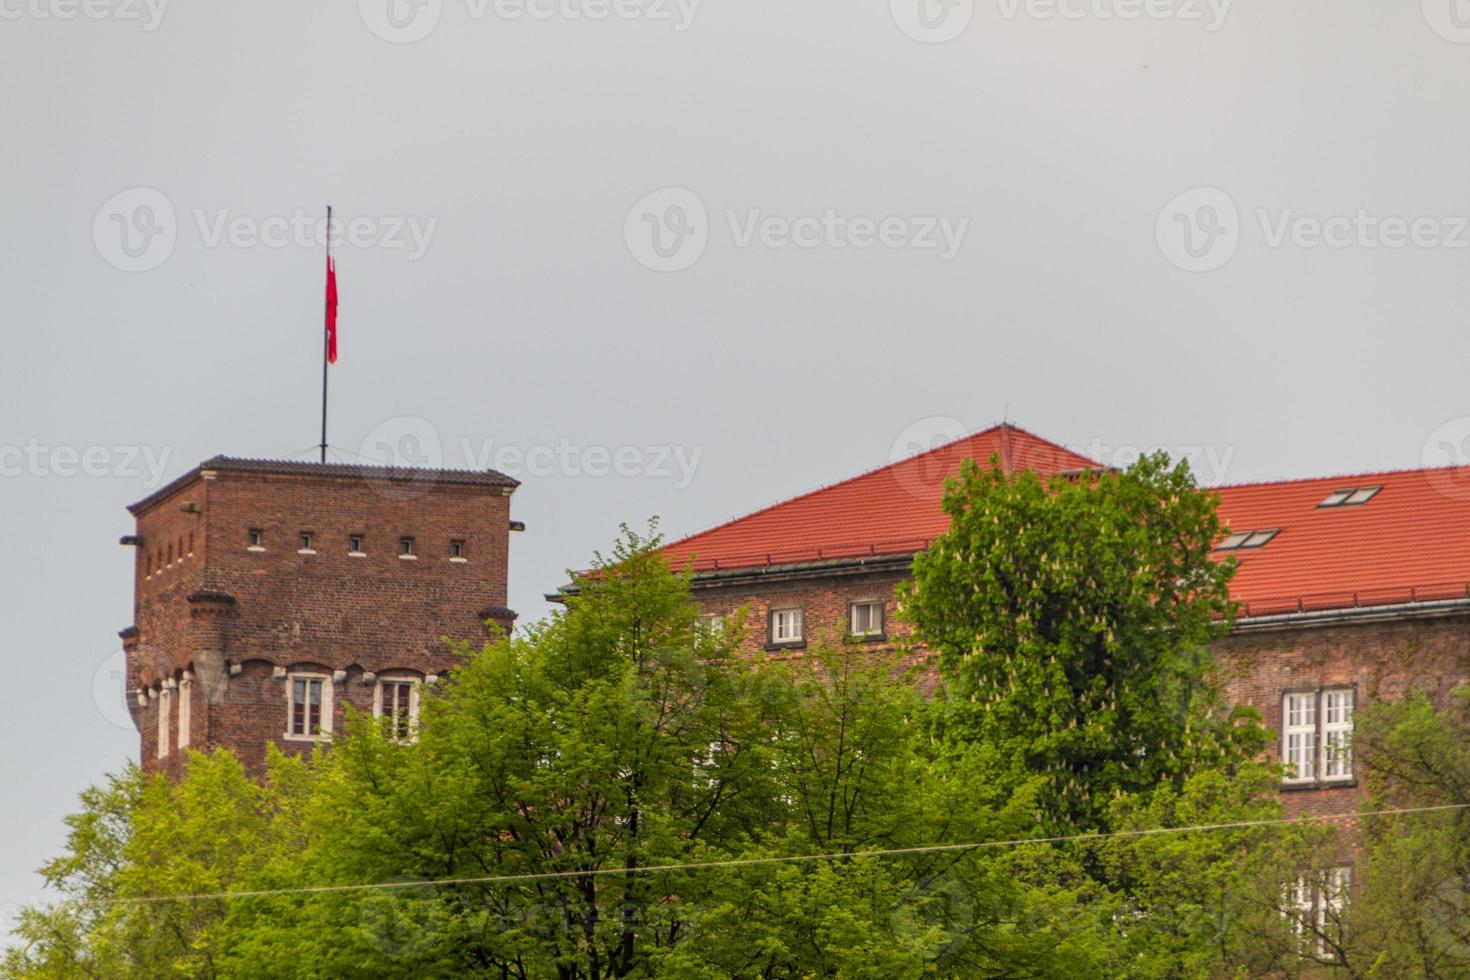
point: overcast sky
(766, 244)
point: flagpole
(326, 336)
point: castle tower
(271, 595)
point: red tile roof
(890, 510)
(1411, 542)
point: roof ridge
(993, 427)
(1283, 481)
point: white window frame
(325, 728)
(1337, 734)
(186, 691)
(413, 704)
(788, 626)
(1314, 897)
(875, 620)
(1320, 723)
(165, 701)
(1299, 736)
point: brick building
(271, 595)
(1352, 588)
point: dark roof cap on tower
(285, 467)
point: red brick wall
(1379, 660)
(327, 611)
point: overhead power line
(784, 859)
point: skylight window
(1350, 496)
(1241, 540)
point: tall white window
(186, 691)
(1317, 735)
(165, 701)
(1337, 735)
(396, 699)
(308, 706)
(865, 618)
(786, 626)
(1299, 737)
(1314, 905)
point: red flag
(331, 310)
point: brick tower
(269, 595)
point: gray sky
(156, 301)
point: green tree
(1071, 620)
(1410, 910)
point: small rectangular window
(186, 688)
(303, 541)
(309, 706)
(866, 618)
(397, 707)
(1363, 495)
(786, 626)
(1317, 735)
(165, 699)
(711, 625)
(1337, 735)
(1351, 496)
(1299, 737)
(405, 546)
(354, 544)
(456, 549)
(256, 537)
